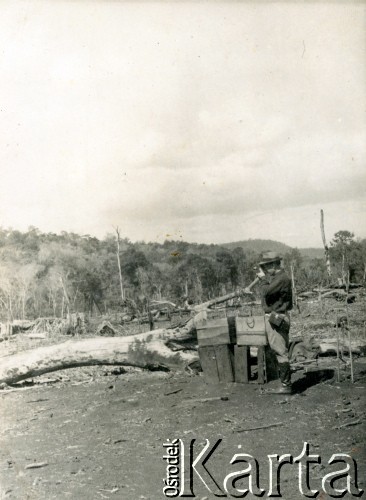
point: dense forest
(47, 274)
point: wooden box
(212, 332)
(251, 331)
(217, 363)
(243, 365)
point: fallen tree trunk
(157, 348)
(334, 294)
(329, 346)
(146, 350)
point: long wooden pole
(349, 331)
(350, 347)
(119, 266)
(338, 359)
(223, 298)
(294, 292)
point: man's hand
(261, 274)
(247, 290)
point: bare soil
(102, 437)
(98, 432)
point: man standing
(276, 292)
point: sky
(206, 121)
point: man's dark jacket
(277, 293)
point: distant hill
(312, 253)
(259, 246)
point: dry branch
(260, 427)
(348, 424)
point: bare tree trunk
(74, 301)
(119, 265)
(23, 305)
(66, 296)
(326, 248)
(147, 350)
(10, 308)
(294, 293)
(5, 305)
(343, 269)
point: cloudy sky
(205, 121)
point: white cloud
(181, 116)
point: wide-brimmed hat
(269, 257)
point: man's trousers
(278, 338)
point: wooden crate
(212, 331)
(216, 363)
(251, 331)
(261, 365)
(213, 348)
(243, 365)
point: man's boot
(285, 378)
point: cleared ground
(103, 438)
(98, 433)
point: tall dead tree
(326, 248)
(65, 297)
(294, 292)
(119, 265)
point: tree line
(48, 274)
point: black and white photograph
(182, 249)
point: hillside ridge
(259, 245)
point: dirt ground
(98, 433)
(102, 436)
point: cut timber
(146, 350)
